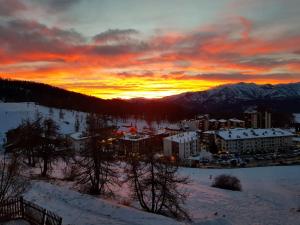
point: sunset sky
(143, 48)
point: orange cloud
(118, 65)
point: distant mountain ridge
(240, 92)
(230, 99)
(47, 95)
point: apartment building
(182, 145)
(246, 141)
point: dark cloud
(115, 35)
(265, 62)
(30, 40)
(235, 77)
(127, 48)
(56, 5)
(11, 7)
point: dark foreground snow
(271, 195)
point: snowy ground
(15, 222)
(12, 114)
(271, 195)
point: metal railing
(19, 208)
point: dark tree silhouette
(12, 184)
(52, 146)
(97, 170)
(38, 141)
(156, 185)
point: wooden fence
(18, 208)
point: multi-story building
(222, 124)
(189, 125)
(250, 117)
(182, 145)
(257, 119)
(245, 141)
(203, 122)
(206, 124)
(235, 123)
(133, 144)
(296, 122)
(78, 140)
(173, 129)
(264, 119)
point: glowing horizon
(159, 49)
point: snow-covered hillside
(270, 196)
(12, 114)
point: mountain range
(221, 100)
(230, 97)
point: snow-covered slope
(12, 114)
(270, 196)
(237, 92)
(81, 209)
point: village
(210, 143)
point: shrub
(227, 182)
(125, 202)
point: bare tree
(97, 170)
(24, 140)
(52, 146)
(61, 114)
(156, 185)
(77, 123)
(12, 184)
(38, 141)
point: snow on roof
(78, 136)
(134, 137)
(183, 137)
(240, 133)
(296, 117)
(212, 120)
(236, 120)
(173, 127)
(296, 139)
(222, 121)
(209, 132)
(160, 131)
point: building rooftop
(209, 132)
(173, 127)
(296, 139)
(78, 136)
(183, 137)
(134, 137)
(236, 120)
(240, 133)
